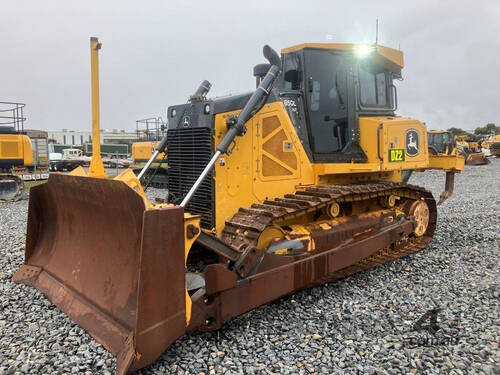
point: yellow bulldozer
(291, 185)
(470, 150)
(443, 142)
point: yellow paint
(379, 134)
(129, 178)
(388, 57)
(447, 163)
(239, 177)
(78, 171)
(142, 151)
(188, 242)
(96, 168)
(239, 181)
(16, 146)
(270, 233)
(300, 233)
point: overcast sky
(155, 53)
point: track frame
(230, 292)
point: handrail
(16, 117)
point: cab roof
(437, 131)
(389, 58)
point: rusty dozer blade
(113, 266)
(11, 187)
(477, 158)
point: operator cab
(333, 85)
(440, 142)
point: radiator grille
(188, 152)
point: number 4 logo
(430, 316)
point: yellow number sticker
(396, 154)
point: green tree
(457, 131)
(489, 128)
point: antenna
(376, 32)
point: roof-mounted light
(363, 50)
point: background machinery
(289, 186)
(470, 150)
(23, 153)
(443, 142)
(150, 132)
(69, 159)
(493, 144)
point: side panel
(16, 147)
(269, 161)
(405, 138)
(142, 151)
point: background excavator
(21, 157)
(292, 185)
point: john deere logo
(412, 142)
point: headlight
(363, 50)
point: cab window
(326, 95)
(291, 72)
(373, 87)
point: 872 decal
(396, 154)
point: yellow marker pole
(96, 167)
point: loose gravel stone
(367, 323)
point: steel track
(247, 224)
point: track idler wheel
(420, 211)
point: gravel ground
(367, 323)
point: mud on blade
(112, 266)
